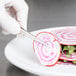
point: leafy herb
(68, 50)
(74, 62)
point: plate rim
(8, 58)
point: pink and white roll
(47, 56)
(66, 36)
(71, 58)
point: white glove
(16, 8)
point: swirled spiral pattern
(66, 36)
(47, 56)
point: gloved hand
(13, 14)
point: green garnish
(65, 51)
(65, 61)
(65, 48)
(74, 62)
(68, 56)
(71, 49)
(68, 50)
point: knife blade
(28, 34)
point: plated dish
(20, 52)
(62, 46)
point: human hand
(13, 15)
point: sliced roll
(47, 56)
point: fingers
(5, 32)
(9, 24)
(21, 9)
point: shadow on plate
(14, 71)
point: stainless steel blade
(26, 33)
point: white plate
(20, 53)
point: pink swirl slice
(47, 56)
(66, 36)
(71, 58)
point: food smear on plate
(47, 56)
(62, 43)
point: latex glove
(19, 11)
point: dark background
(42, 14)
